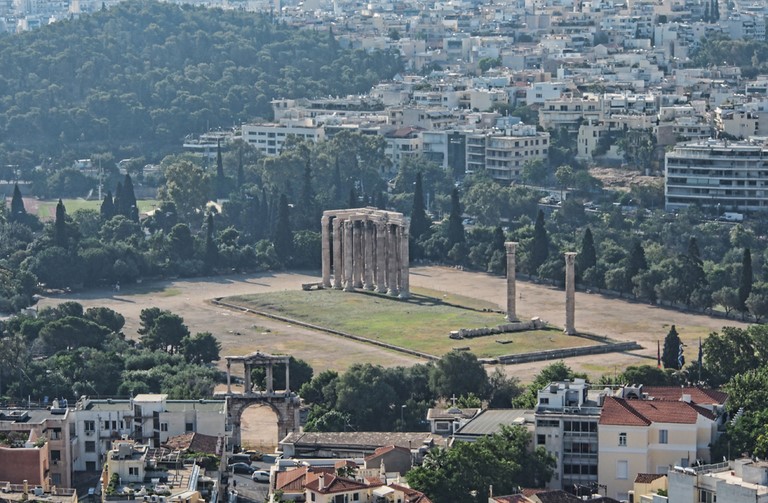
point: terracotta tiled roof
(555, 497)
(294, 480)
(411, 495)
(193, 442)
(617, 411)
(647, 478)
(513, 498)
(334, 484)
(701, 396)
(532, 490)
(342, 463)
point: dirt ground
(242, 333)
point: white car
(260, 476)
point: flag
(658, 354)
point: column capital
(510, 246)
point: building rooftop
(365, 440)
(617, 411)
(490, 421)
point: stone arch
(286, 409)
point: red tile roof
(334, 484)
(701, 396)
(411, 495)
(617, 411)
(383, 450)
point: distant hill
(149, 72)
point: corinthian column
(570, 293)
(358, 267)
(404, 261)
(381, 257)
(326, 245)
(393, 266)
(338, 261)
(510, 247)
(369, 266)
(348, 279)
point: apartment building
(740, 481)
(649, 436)
(147, 418)
(35, 446)
(717, 174)
(567, 427)
(270, 138)
(506, 154)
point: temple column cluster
(365, 248)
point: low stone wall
(558, 354)
(515, 326)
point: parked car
(260, 476)
(242, 468)
(255, 455)
(239, 458)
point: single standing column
(570, 292)
(247, 378)
(369, 263)
(510, 246)
(381, 257)
(326, 251)
(404, 262)
(229, 378)
(338, 261)
(358, 267)
(287, 376)
(392, 262)
(269, 383)
(348, 279)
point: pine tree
(587, 256)
(128, 205)
(670, 356)
(60, 226)
(455, 223)
(539, 245)
(745, 284)
(283, 237)
(419, 220)
(18, 211)
(211, 248)
(221, 180)
(107, 209)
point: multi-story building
(718, 174)
(740, 481)
(649, 436)
(37, 446)
(269, 138)
(148, 418)
(566, 426)
(507, 154)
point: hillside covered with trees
(147, 73)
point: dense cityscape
(451, 251)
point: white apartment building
(718, 174)
(147, 418)
(740, 481)
(506, 154)
(269, 138)
(566, 426)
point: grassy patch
(46, 210)
(171, 292)
(423, 322)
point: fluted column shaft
(326, 245)
(348, 278)
(570, 293)
(381, 257)
(369, 264)
(393, 266)
(510, 247)
(338, 261)
(404, 262)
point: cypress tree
(308, 200)
(378, 201)
(352, 203)
(211, 249)
(745, 284)
(637, 261)
(221, 181)
(337, 189)
(128, 205)
(455, 224)
(671, 354)
(117, 199)
(587, 256)
(60, 226)
(419, 220)
(18, 211)
(283, 237)
(539, 245)
(107, 209)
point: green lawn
(46, 210)
(422, 323)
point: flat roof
(490, 421)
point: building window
(622, 439)
(133, 470)
(356, 497)
(90, 446)
(90, 466)
(56, 479)
(55, 455)
(544, 400)
(188, 427)
(90, 426)
(163, 426)
(663, 436)
(622, 470)
(541, 439)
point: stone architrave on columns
(510, 247)
(338, 258)
(326, 245)
(570, 293)
(348, 257)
